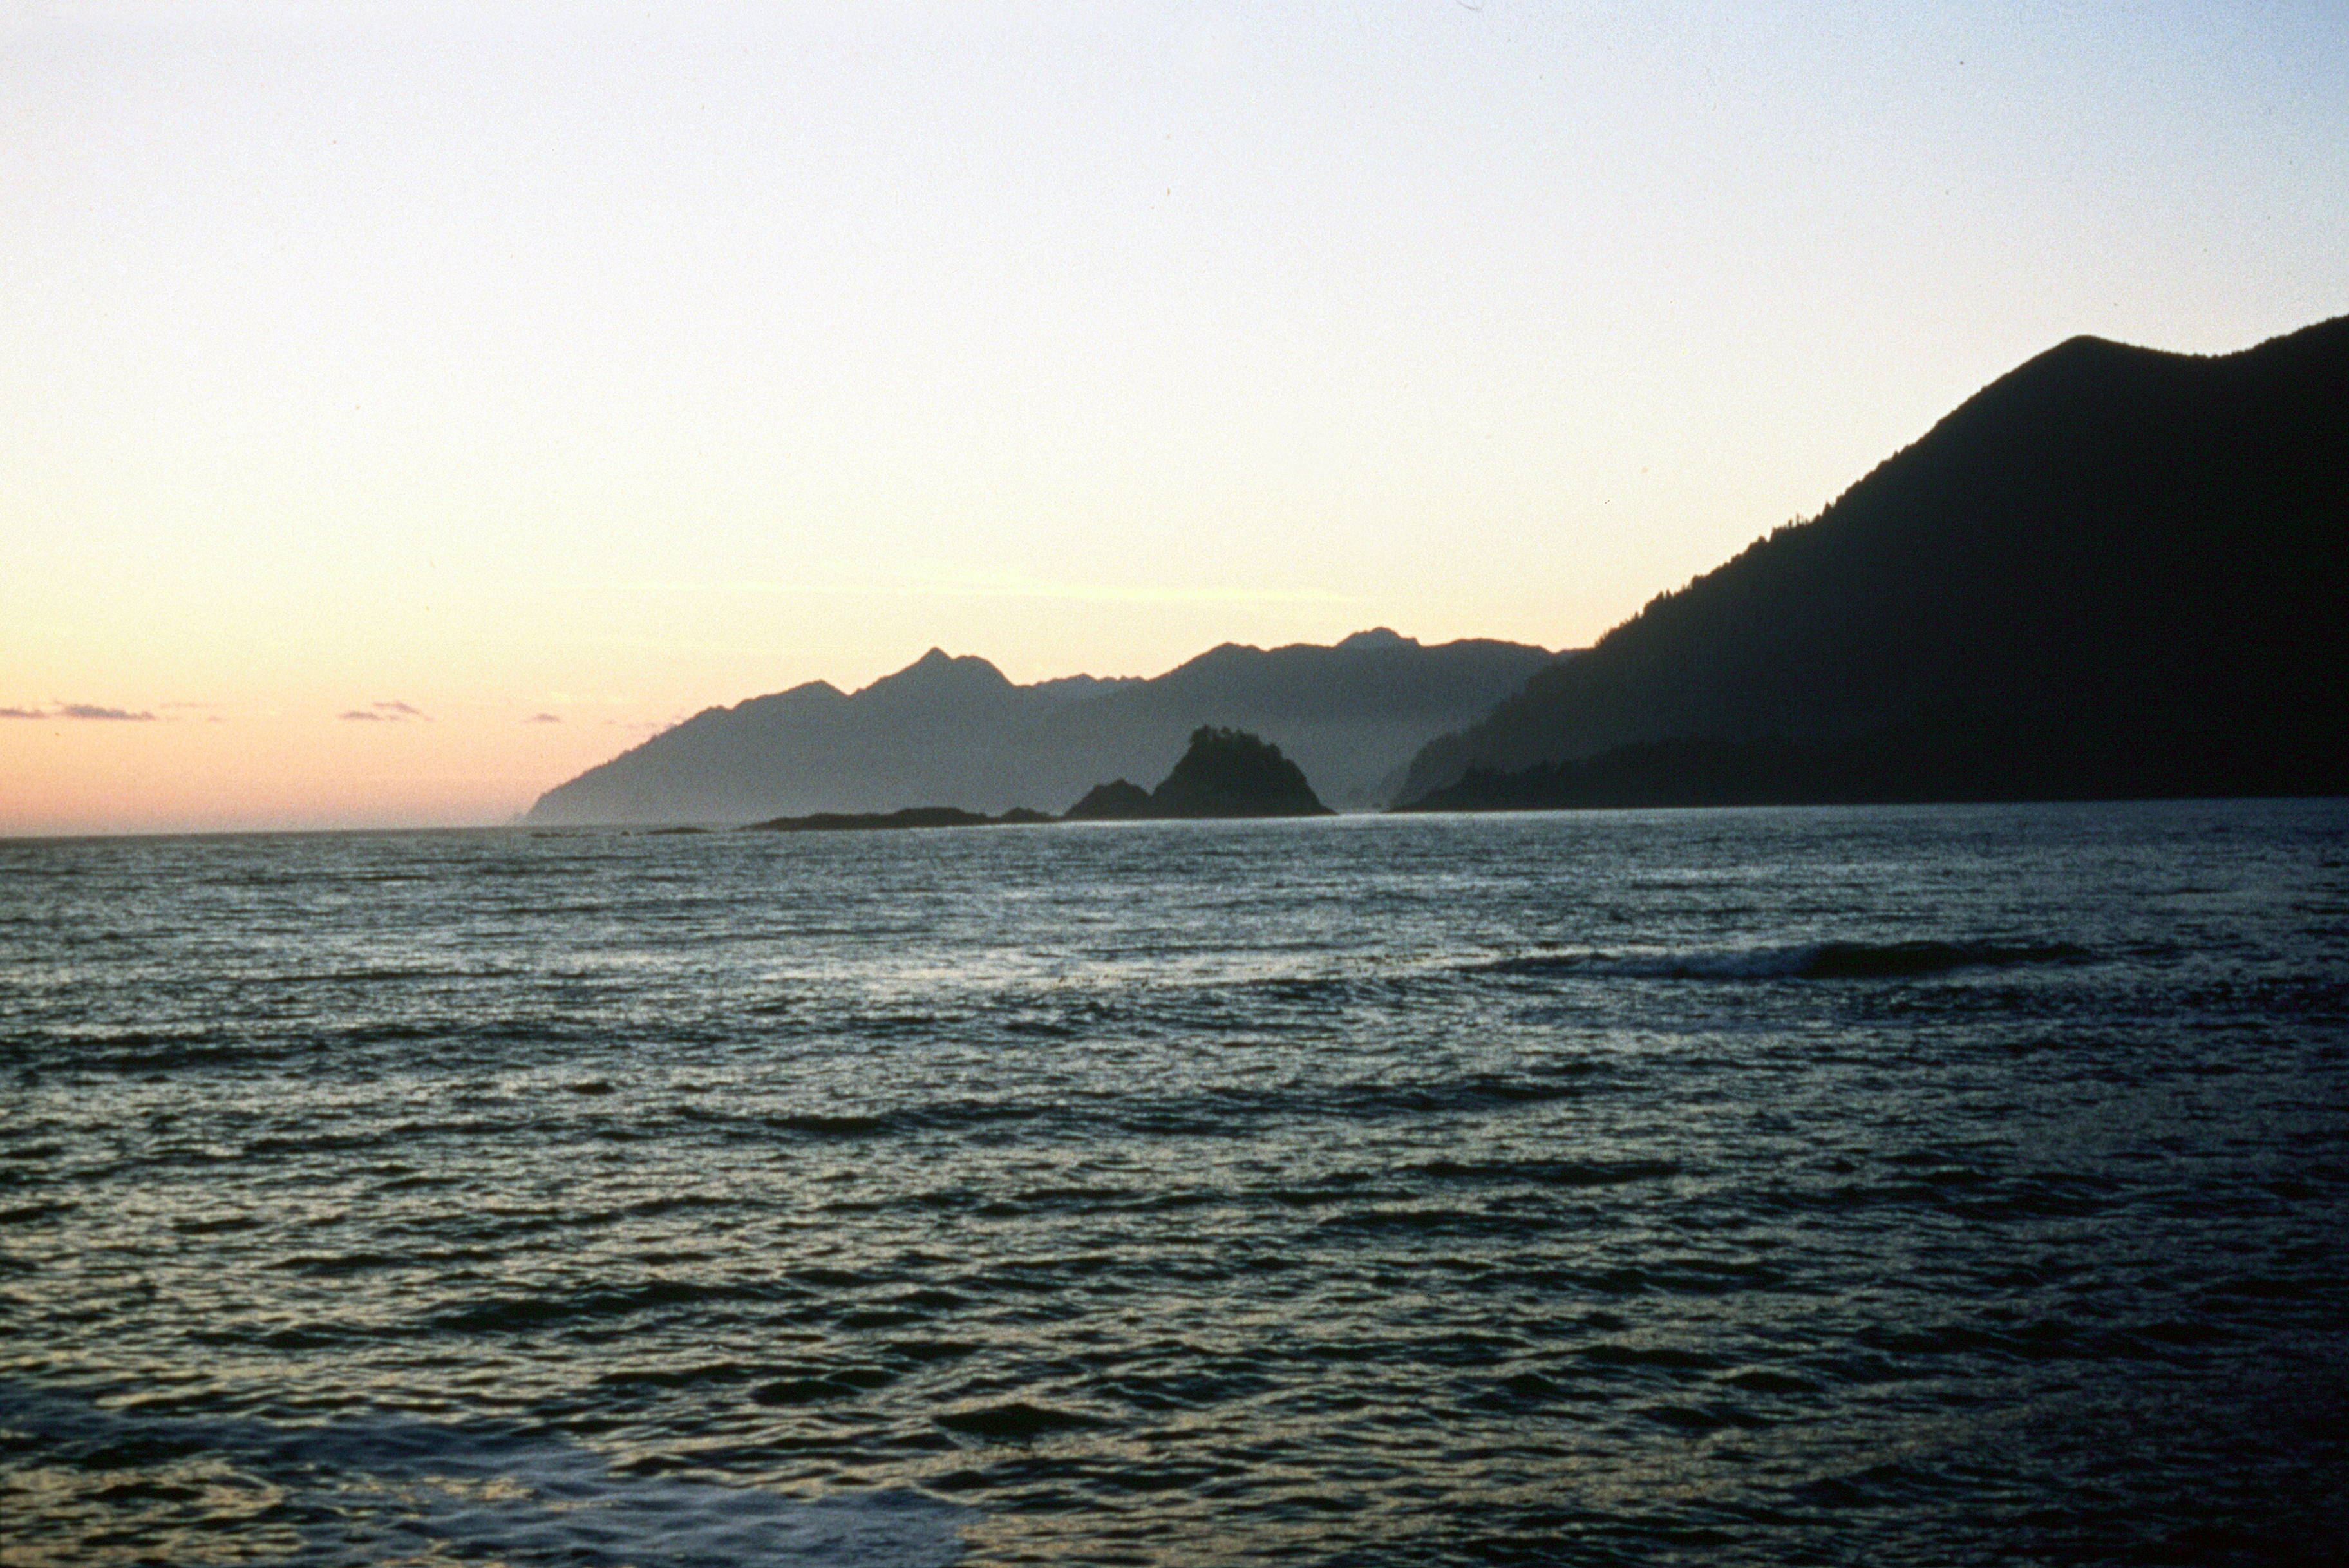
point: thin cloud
(401, 709)
(92, 711)
(363, 716)
(543, 718)
(386, 714)
(78, 710)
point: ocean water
(1837, 1186)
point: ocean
(1868, 1186)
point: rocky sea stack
(1230, 773)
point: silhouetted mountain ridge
(2113, 571)
(955, 731)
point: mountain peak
(942, 672)
(1378, 637)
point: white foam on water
(1751, 963)
(1801, 961)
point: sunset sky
(403, 406)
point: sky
(404, 407)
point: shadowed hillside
(2112, 572)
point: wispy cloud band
(79, 711)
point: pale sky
(531, 377)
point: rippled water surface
(1922, 1185)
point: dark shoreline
(1895, 769)
(911, 817)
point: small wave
(1664, 1358)
(816, 1126)
(508, 1313)
(942, 1117)
(1804, 960)
(813, 1385)
(1551, 1172)
(706, 1373)
(376, 1487)
(1015, 1422)
(341, 1265)
(1217, 1111)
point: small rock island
(1118, 801)
(1225, 774)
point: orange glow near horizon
(263, 772)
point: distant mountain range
(954, 731)
(2113, 572)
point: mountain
(954, 730)
(941, 729)
(2113, 572)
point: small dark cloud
(22, 713)
(543, 718)
(92, 711)
(387, 712)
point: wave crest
(1804, 960)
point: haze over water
(1854, 1186)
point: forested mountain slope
(2112, 572)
